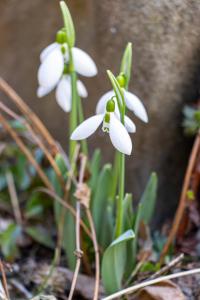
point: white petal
(43, 91)
(63, 93)
(101, 105)
(47, 51)
(134, 103)
(83, 63)
(119, 136)
(51, 69)
(130, 126)
(87, 128)
(82, 91)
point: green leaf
(69, 26)
(69, 239)
(114, 261)
(100, 199)
(126, 63)
(127, 212)
(95, 169)
(3, 182)
(132, 245)
(107, 228)
(40, 235)
(61, 164)
(8, 241)
(117, 89)
(148, 199)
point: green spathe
(68, 23)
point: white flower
(133, 103)
(117, 132)
(51, 72)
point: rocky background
(166, 67)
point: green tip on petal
(68, 24)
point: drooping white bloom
(51, 73)
(117, 131)
(133, 103)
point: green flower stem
(73, 116)
(119, 215)
(84, 145)
(120, 199)
(115, 176)
(76, 116)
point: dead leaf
(165, 290)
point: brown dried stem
(4, 280)
(78, 252)
(97, 259)
(183, 198)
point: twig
(97, 259)
(166, 268)
(78, 252)
(138, 286)
(26, 151)
(183, 198)
(13, 197)
(4, 280)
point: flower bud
(61, 37)
(110, 106)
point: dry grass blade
(25, 150)
(138, 286)
(14, 198)
(28, 113)
(4, 280)
(36, 138)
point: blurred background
(166, 64)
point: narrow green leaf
(8, 241)
(69, 26)
(132, 245)
(40, 235)
(114, 261)
(148, 199)
(69, 239)
(95, 169)
(126, 63)
(127, 212)
(107, 229)
(100, 199)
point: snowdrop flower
(111, 124)
(54, 71)
(133, 103)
